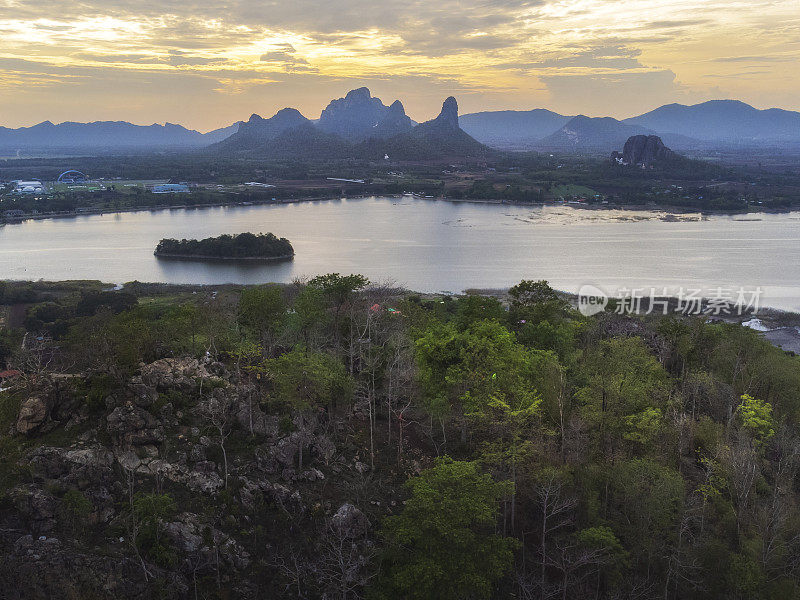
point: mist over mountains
(360, 125)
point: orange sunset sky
(206, 63)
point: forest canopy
(337, 438)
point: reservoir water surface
(429, 246)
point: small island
(243, 246)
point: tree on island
(243, 245)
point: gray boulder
(349, 521)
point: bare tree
(218, 409)
(576, 565)
(741, 461)
(556, 512)
(344, 564)
(36, 355)
(773, 517)
(292, 567)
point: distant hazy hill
(728, 121)
(217, 135)
(257, 133)
(439, 138)
(359, 116)
(308, 141)
(584, 133)
(104, 135)
(512, 129)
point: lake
(429, 246)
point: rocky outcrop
(35, 506)
(350, 522)
(438, 138)
(72, 468)
(45, 568)
(644, 151)
(251, 418)
(448, 117)
(33, 412)
(394, 122)
(183, 374)
(354, 117)
(136, 443)
(258, 132)
(203, 478)
(131, 426)
(48, 403)
(88, 470)
(191, 536)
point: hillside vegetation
(334, 438)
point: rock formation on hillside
(448, 118)
(394, 122)
(643, 151)
(257, 132)
(359, 115)
(437, 138)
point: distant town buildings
(170, 188)
(33, 186)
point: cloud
(623, 94)
(774, 58)
(502, 53)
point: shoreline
(676, 210)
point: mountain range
(728, 121)
(361, 125)
(714, 124)
(101, 136)
(356, 126)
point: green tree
(149, 514)
(304, 380)
(609, 550)
(444, 543)
(473, 308)
(535, 301)
(645, 504)
(756, 418)
(339, 292)
(76, 508)
(308, 314)
(262, 311)
(466, 371)
(625, 389)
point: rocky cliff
(644, 151)
(156, 488)
(359, 115)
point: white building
(28, 187)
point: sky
(208, 63)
